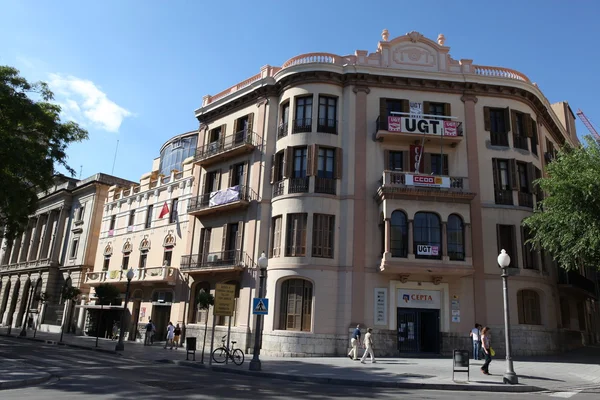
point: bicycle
(221, 354)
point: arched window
(35, 301)
(296, 305)
(427, 236)
(456, 238)
(528, 303)
(197, 315)
(399, 234)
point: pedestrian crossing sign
(260, 306)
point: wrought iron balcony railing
(226, 143)
(220, 259)
(222, 197)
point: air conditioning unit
(212, 258)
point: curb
(56, 343)
(25, 382)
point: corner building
(382, 186)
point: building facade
(57, 247)
(144, 228)
(382, 186)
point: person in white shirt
(476, 336)
(368, 347)
(170, 335)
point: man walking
(368, 347)
(149, 333)
(476, 336)
(353, 355)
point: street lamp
(120, 346)
(32, 287)
(262, 264)
(509, 375)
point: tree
(34, 141)
(567, 223)
(108, 294)
(70, 293)
(203, 302)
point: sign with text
(380, 306)
(423, 126)
(224, 300)
(411, 298)
(427, 250)
(427, 180)
(416, 109)
(416, 152)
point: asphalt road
(83, 374)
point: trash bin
(190, 347)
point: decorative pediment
(169, 240)
(145, 244)
(127, 247)
(108, 250)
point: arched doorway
(24, 303)
(13, 303)
(4, 300)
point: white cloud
(81, 100)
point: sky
(134, 71)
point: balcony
(327, 126)
(223, 261)
(227, 147)
(413, 186)
(117, 276)
(28, 265)
(282, 130)
(325, 185)
(229, 199)
(298, 185)
(302, 125)
(573, 281)
(504, 197)
(278, 188)
(404, 128)
(525, 199)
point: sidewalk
(578, 370)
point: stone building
(57, 247)
(382, 186)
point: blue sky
(135, 71)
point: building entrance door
(160, 317)
(418, 330)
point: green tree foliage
(107, 294)
(204, 300)
(33, 141)
(70, 293)
(567, 225)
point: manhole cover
(168, 385)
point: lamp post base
(255, 365)
(510, 378)
(120, 347)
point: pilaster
(58, 235)
(26, 241)
(36, 239)
(388, 236)
(14, 255)
(47, 234)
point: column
(36, 240)
(3, 291)
(4, 251)
(411, 241)
(9, 301)
(444, 240)
(468, 245)
(47, 234)
(57, 236)
(81, 316)
(26, 241)
(14, 255)
(388, 237)
(23, 288)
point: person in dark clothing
(149, 333)
(354, 342)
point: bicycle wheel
(219, 355)
(238, 357)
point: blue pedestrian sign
(260, 306)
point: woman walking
(486, 343)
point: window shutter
(235, 126)
(405, 106)
(487, 120)
(315, 160)
(239, 239)
(224, 240)
(512, 169)
(530, 176)
(386, 160)
(447, 110)
(245, 174)
(425, 107)
(219, 173)
(445, 167)
(405, 161)
(513, 120)
(507, 126)
(204, 182)
(337, 174)
(288, 162)
(527, 123)
(231, 171)
(497, 181)
(426, 163)
(310, 167)
(223, 134)
(273, 166)
(383, 113)
(250, 122)
(534, 131)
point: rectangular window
(498, 126)
(285, 118)
(106, 264)
(506, 241)
(504, 176)
(523, 178)
(279, 166)
(238, 174)
(519, 131)
(80, 213)
(303, 121)
(212, 182)
(74, 247)
(143, 258)
(296, 235)
(276, 237)
(149, 217)
(131, 221)
(396, 161)
(503, 181)
(214, 135)
(241, 129)
(436, 109)
(299, 162)
(125, 264)
(173, 213)
(530, 256)
(327, 114)
(167, 258)
(326, 162)
(113, 222)
(323, 235)
(437, 167)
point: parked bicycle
(221, 354)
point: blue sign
(260, 306)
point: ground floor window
(296, 305)
(528, 302)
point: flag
(164, 210)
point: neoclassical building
(382, 185)
(57, 247)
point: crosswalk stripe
(565, 395)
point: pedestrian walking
(177, 336)
(354, 342)
(115, 331)
(170, 335)
(486, 345)
(150, 328)
(368, 347)
(476, 336)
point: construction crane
(589, 125)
